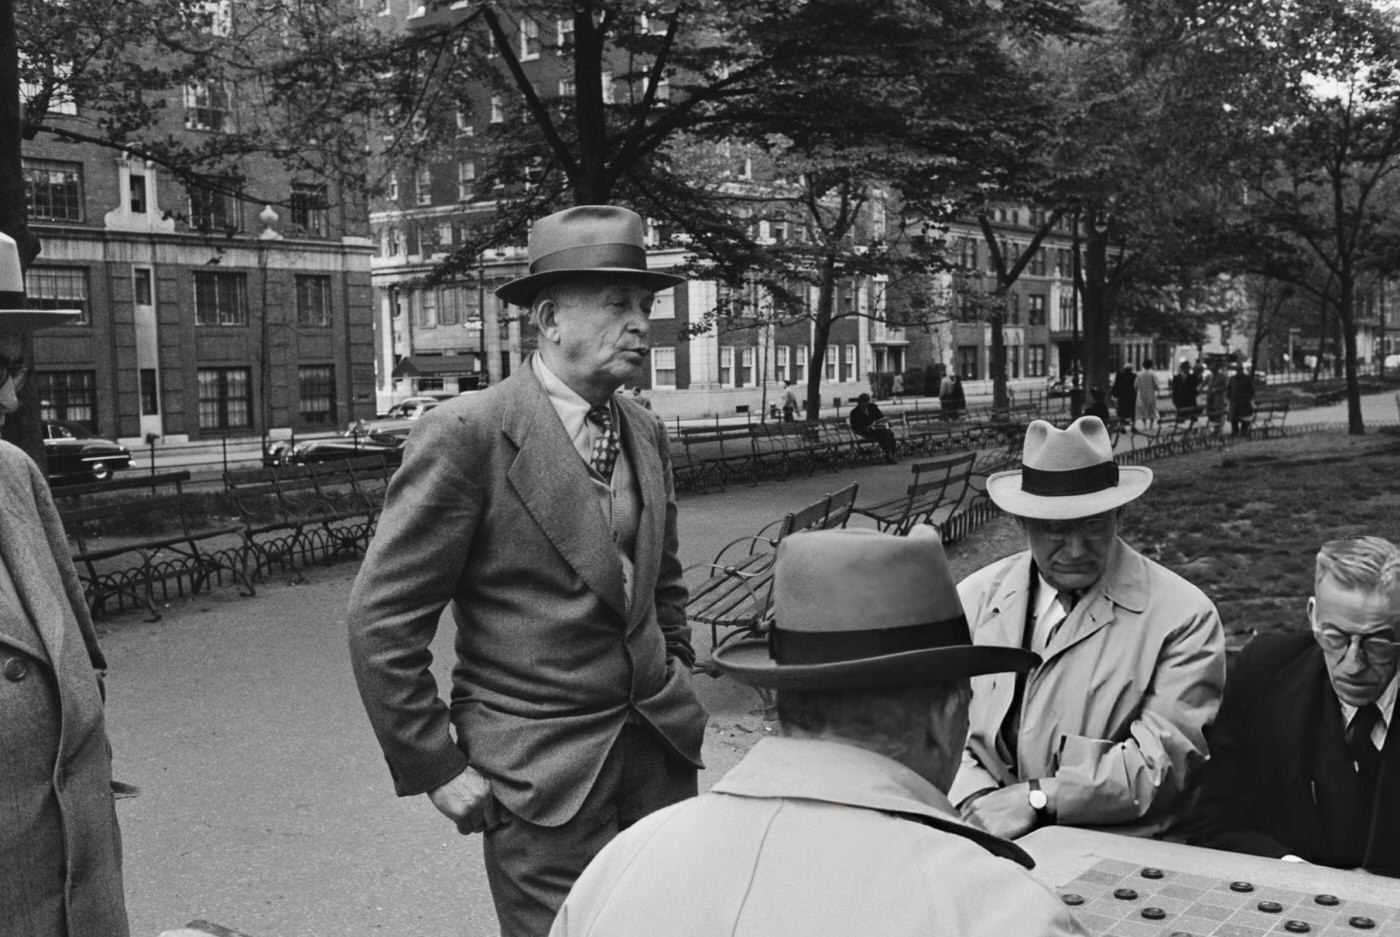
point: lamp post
(480, 316)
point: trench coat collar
(837, 773)
(556, 488)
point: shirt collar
(833, 772)
(1385, 703)
(572, 409)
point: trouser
(531, 868)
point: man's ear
(948, 726)
(546, 319)
(1312, 609)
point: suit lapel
(638, 431)
(555, 487)
(1320, 770)
(1383, 846)
(21, 540)
(1003, 624)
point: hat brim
(28, 320)
(749, 662)
(522, 292)
(1004, 488)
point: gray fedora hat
(589, 239)
(13, 316)
(861, 609)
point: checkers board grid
(1122, 899)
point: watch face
(1038, 800)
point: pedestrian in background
(1240, 392)
(790, 405)
(541, 512)
(1125, 395)
(60, 850)
(1148, 387)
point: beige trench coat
(1117, 710)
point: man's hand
(466, 800)
(1005, 812)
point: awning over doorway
(436, 366)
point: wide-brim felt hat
(1067, 474)
(588, 239)
(858, 609)
(13, 316)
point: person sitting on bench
(868, 422)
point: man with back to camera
(1303, 763)
(1109, 728)
(868, 422)
(542, 511)
(839, 825)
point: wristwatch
(1039, 801)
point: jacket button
(16, 669)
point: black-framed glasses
(1377, 648)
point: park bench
(712, 456)
(780, 449)
(733, 593)
(1269, 418)
(926, 431)
(133, 536)
(935, 493)
(1181, 432)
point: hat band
(830, 647)
(1059, 484)
(592, 256)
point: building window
(68, 396)
(208, 106)
(1013, 361)
(225, 398)
(1036, 314)
(309, 208)
(1066, 310)
(799, 363)
(141, 286)
(967, 253)
(138, 193)
(1037, 264)
(746, 358)
(316, 389)
(465, 127)
(53, 190)
(220, 299)
(726, 366)
(392, 245)
(427, 308)
(452, 305)
(392, 191)
(566, 87)
(466, 178)
(58, 288)
(781, 356)
(849, 370)
(313, 300)
(607, 87)
(564, 32)
(1013, 309)
(498, 109)
(1035, 361)
(833, 352)
(967, 362)
(213, 210)
(663, 366)
(1064, 262)
(150, 393)
(529, 40)
(423, 186)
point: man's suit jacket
(494, 513)
(1117, 708)
(60, 850)
(1280, 780)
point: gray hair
(879, 718)
(1367, 563)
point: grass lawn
(1245, 525)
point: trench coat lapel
(637, 432)
(1004, 624)
(555, 487)
(21, 541)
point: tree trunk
(1000, 403)
(1355, 425)
(821, 335)
(1096, 312)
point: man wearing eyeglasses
(1109, 728)
(1304, 765)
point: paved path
(266, 806)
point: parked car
(337, 447)
(76, 453)
(411, 409)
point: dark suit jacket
(493, 513)
(1279, 780)
(56, 808)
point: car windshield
(70, 431)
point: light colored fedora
(583, 240)
(13, 316)
(856, 608)
(1066, 474)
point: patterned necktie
(605, 446)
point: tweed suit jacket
(60, 849)
(493, 514)
(1280, 780)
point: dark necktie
(605, 446)
(1011, 725)
(1358, 735)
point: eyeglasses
(1090, 528)
(1376, 647)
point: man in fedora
(541, 511)
(1109, 728)
(60, 858)
(840, 824)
